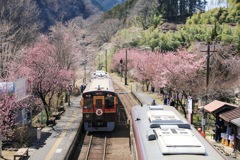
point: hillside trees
(157, 39)
(126, 37)
(107, 29)
(120, 11)
(148, 15)
(172, 9)
(201, 27)
(221, 15)
(41, 65)
(19, 25)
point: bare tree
(65, 39)
(107, 29)
(19, 25)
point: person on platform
(172, 102)
(201, 132)
(219, 124)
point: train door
(98, 104)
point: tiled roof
(231, 115)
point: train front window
(88, 102)
(109, 101)
(99, 103)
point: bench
(61, 112)
(56, 114)
(52, 121)
(61, 108)
(21, 153)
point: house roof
(217, 107)
(236, 122)
(231, 115)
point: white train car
(161, 133)
(100, 73)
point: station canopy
(231, 115)
(236, 122)
(217, 107)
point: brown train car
(99, 105)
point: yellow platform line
(59, 140)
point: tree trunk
(46, 108)
(47, 114)
(184, 111)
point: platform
(56, 141)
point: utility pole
(207, 83)
(106, 59)
(84, 72)
(99, 64)
(126, 70)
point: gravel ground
(118, 147)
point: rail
(97, 145)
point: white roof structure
(178, 141)
(99, 73)
(162, 133)
(100, 84)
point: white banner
(20, 88)
(189, 105)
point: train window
(88, 102)
(98, 103)
(109, 101)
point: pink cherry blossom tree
(8, 115)
(9, 108)
(183, 72)
(141, 64)
(180, 70)
(44, 71)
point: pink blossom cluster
(172, 69)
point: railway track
(118, 143)
(126, 98)
(94, 146)
(97, 147)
